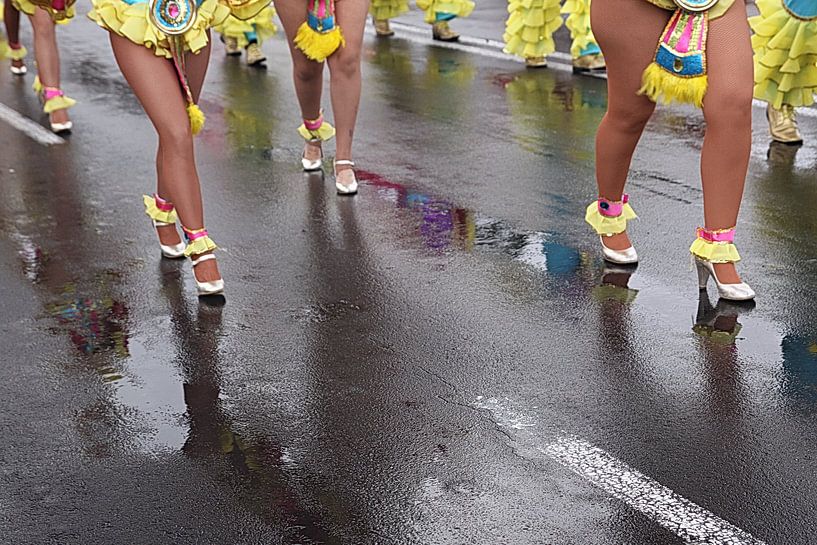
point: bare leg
(155, 83)
(344, 69)
(627, 32)
(728, 113)
(307, 74)
(48, 56)
(11, 18)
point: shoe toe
(627, 256)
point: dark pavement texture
(335, 397)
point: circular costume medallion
(695, 5)
(173, 17)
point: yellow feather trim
(607, 226)
(661, 86)
(58, 103)
(155, 214)
(196, 118)
(37, 86)
(715, 252)
(323, 133)
(200, 246)
(17, 54)
(263, 25)
(318, 45)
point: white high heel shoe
(627, 256)
(312, 165)
(718, 246)
(174, 251)
(609, 218)
(730, 292)
(62, 128)
(350, 189)
(214, 287)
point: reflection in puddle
(93, 325)
(799, 383)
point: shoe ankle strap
(715, 245)
(198, 241)
(612, 209)
(159, 210)
(202, 259)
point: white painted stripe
(689, 521)
(36, 132)
(494, 50)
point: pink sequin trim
(314, 125)
(720, 235)
(613, 209)
(163, 205)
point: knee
(43, 25)
(630, 119)
(729, 107)
(177, 138)
(345, 63)
(308, 72)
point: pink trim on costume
(314, 124)
(719, 235)
(321, 9)
(58, 5)
(686, 37)
(193, 235)
(671, 28)
(612, 209)
(163, 205)
(52, 92)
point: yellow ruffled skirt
(457, 8)
(388, 9)
(719, 9)
(29, 8)
(578, 22)
(530, 27)
(785, 56)
(131, 21)
(263, 25)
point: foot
(168, 235)
(617, 242)
(783, 125)
(589, 63)
(727, 273)
(442, 32)
(255, 57)
(59, 116)
(206, 271)
(313, 151)
(536, 62)
(345, 175)
(18, 67)
(382, 28)
(231, 47)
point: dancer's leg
(156, 85)
(627, 31)
(344, 68)
(48, 56)
(728, 113)
(307, 74)
(11, 18)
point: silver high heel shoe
(163, 214)
(717, 246)
(312, 165)
(18, 55)
(315, 130)
(199, 243)
(610, 218)
(350, 189)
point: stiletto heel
(350, 189)
(163, 214)
(314, 131)
(200, 244)
(718, 246)
(610, 218)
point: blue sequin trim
(690, 65)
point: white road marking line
(686, 519)
(36, 132)
(494, 50)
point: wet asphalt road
(391, 368)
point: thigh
(730, 68)
(292, 14)
(154, 82)
(628, 32)
(196, 65)
(351, 15)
